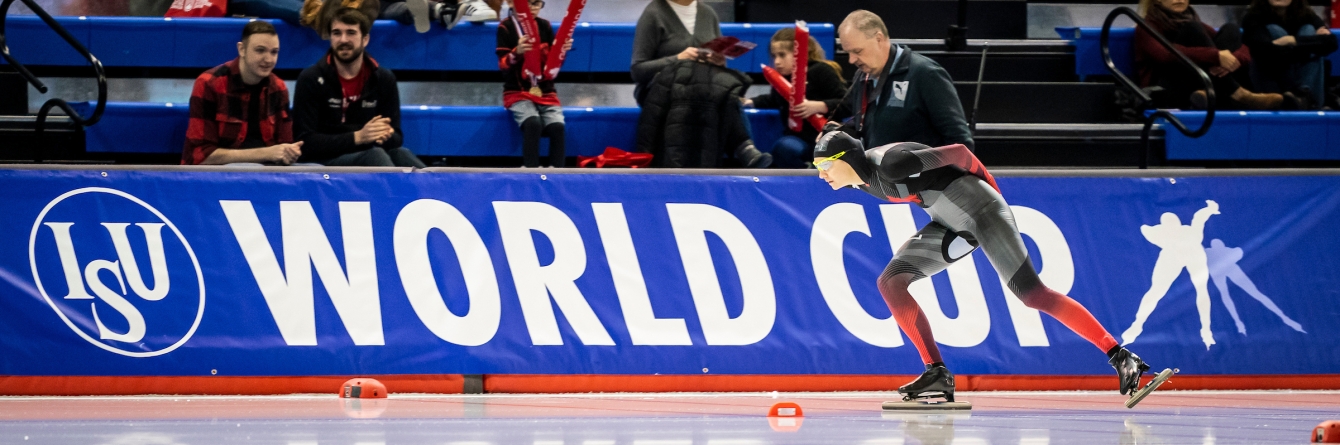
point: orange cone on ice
(362, 388)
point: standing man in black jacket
(897, 95)
(346, 108)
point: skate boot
(1129, 369)
(936, 379)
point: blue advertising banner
(327, 273)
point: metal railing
(42, 114)
(1144, 97)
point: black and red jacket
(325, 126)
(516, 86)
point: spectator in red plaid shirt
(239, 110)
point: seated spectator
(534, 105)
(1220, 53)
(824, 91)
(691, 118)
(346, 108)
(239, 110)
(286, 10)
(1289, 44)
(420, 13)
(670, 32)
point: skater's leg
(1221, 283)
(1239, 278)
(1165, 271)
(911, 319)
(918, 258)
(999, 237)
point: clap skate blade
(922, 402)
(1159, 380)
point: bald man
(897, 95)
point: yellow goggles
(827, 162)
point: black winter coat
(692, 115)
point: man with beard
(239, 110)
(347, 108)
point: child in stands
(532, 101)
(824, 91)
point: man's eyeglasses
(537, 3)
(827, 162)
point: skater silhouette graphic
(1182, 249)
(1223, 263)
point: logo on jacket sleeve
(117, 272)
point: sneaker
(419, 10)
(448, 14)
(476, 11)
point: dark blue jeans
(1311, 74)
(791, 152)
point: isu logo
(101, 260)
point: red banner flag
(557, 53)
(525, 26)
(798, 77)
(783, 88)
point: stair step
(1059, 145)
(997, 45)
(1041, 102)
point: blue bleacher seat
(207, 42)
(1089, 55)
(1258, 135)
(20, 30)
(131, 127)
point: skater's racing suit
(967, 212)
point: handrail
(1129, 85)
(55, 102)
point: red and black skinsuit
(967, 212)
